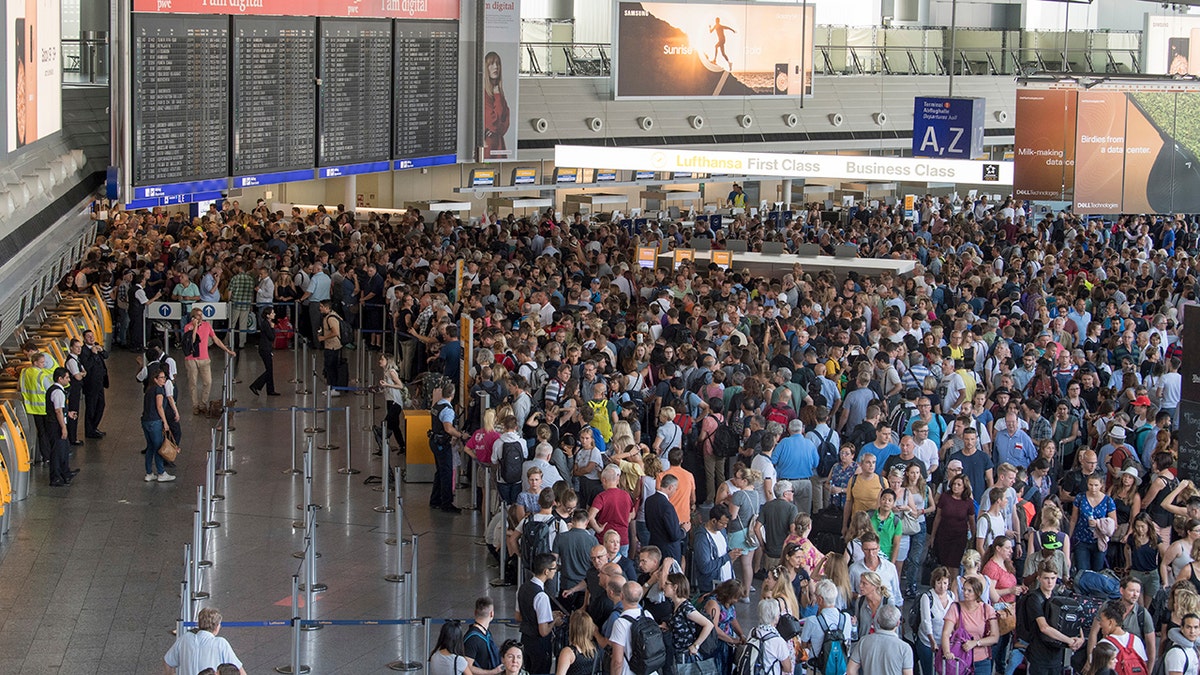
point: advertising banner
(948, 127)
(380, 9)
(962, 171)
(698, 50)
(1044, 165)
(1100, 152)
(1171, 45)
(34, 70)
(500, 66)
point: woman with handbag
(968, 633)
(913, 503)
(743, 530)
(872, 594)
(934, 604)
(721, 609)
(687, 630)
(154, 424)
(999, 568)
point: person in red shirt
(612, 509)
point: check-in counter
(418, 456)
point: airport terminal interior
(489, 191)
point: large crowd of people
(902, 473)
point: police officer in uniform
(441, 433)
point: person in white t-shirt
(777, 653)
(193, 652)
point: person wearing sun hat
(1116, 452)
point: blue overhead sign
(158, 191)
(173, 200)
(950, 128)
(273, 178)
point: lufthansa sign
(961, 171)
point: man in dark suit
(666, 532)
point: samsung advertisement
(699, 50)
(34, 70)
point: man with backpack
(826, 636)
(1044, 655)
(827, 441)
(1181, 656)
(638, 647)
(882, 652)
(509, 452)
(1131, 652)
(765, 651)
(333, 329)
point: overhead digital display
(180, 99)
(274, 95)
(425, 89)
(355, 92)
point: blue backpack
(1098, 585)
(832, 659)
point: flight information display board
(425, 89)
(355, 92)
(274, 95)
(180, 99)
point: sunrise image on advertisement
(689, 50)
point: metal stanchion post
(297, 345)
(310, 524)
(397, 536)
(295, 667)
(293, 471)
(206, 508)
(198, 540)
(210, 476)
(188, 604)
(329, 419)
(386, 507)
(310, 550)
(184, 606)
(308, 480)
(348, 470)
(225, 428)
(193, 558)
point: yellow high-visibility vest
(34, 383)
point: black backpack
(912, 616)
(750, 657)
(535, 538)
(647, 651)
(191, 343)
(725, 441)
(827, 454)
(345, 332)
(512, 458)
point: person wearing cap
(1116, 454)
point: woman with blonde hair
(580, 655)
(836, 568)
(744, 527)
(1183, 601)
(972, 562)
(622, 435)
(669, 435)
(777, 586)
(479, 446)
(872, 595)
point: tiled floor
(89, 575)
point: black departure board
(274, 94)
(425, 89)
(180, 99)
(355, 91)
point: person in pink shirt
(199, 335)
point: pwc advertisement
(377, 9)
(699, 50)
(34, 75)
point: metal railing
(85, 59)
(901, 51)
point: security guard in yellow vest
(35, 380)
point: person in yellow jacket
(35, 380)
